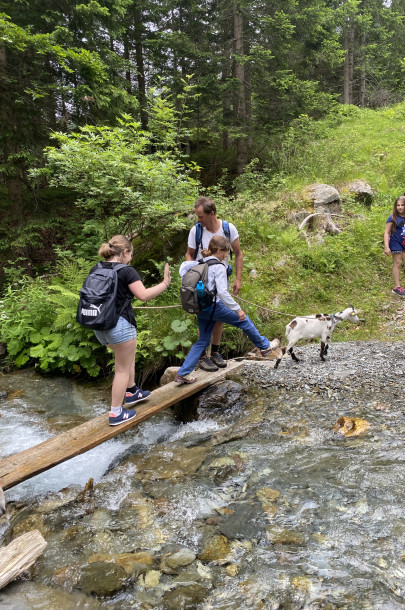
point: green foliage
(174, 343)
(37, 323)
(122, 186)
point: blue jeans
(221, 314)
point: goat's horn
(350, 305)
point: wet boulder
(175, 559)
(247, 521)
(102, 578)
(280, 535)
(222, 396)
(215, 548)
(183, 597)
(351, 426)
(169, 462)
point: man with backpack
(208, 226)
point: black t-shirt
(126, 275)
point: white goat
(310, 327)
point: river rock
(32, 522)
(279, 535)
(246, 522)
(223, 396)
(171, 562)
(351, 426)
(324, 198)
(62, 498)
(215, 548)
(152, 578)
(189, 597)
(102, 578)
(359, 190)
(169, 462)
(132, 563)
(24, 595)
(66, 577)
(169, 375)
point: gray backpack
(194, 294)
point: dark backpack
(194, 294)
(97, 304)
(199, 232)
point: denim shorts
(123, 331)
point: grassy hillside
(296, 277)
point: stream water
(246, 499)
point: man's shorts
(123, 331)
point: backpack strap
(198, 238)
(227, 231)
(128, 299)
(210, 263)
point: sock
(133, 389)
(214, 349)
(116, 410)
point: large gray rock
(324, 198)
(359, 190)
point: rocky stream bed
(244, 497)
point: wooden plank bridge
(37, 459)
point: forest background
(115, 115)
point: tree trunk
(13, 179)
(226, 76)
(127, 59)
(348, 65)
(240, 94)
(362, 83)
(140, 66)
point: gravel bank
(350, 366)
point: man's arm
(238, 265)
(190, 254)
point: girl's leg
(199, 346)
(124, 370)
(396, 267)
(223, 314)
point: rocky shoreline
(352, 365)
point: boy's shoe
(217, 359)
(124, 416)
(399, 291)
(181, 379)
(206, 364)
(137, 396)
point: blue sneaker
(124, 416)
(137, 396)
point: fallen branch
(304, 222)
(19, 555)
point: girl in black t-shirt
(122, 338)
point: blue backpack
(199, 232)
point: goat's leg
(293, 356)
(324, 348)
(322, 353)
(279, 359)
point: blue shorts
(397, 244)
(123, 331)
